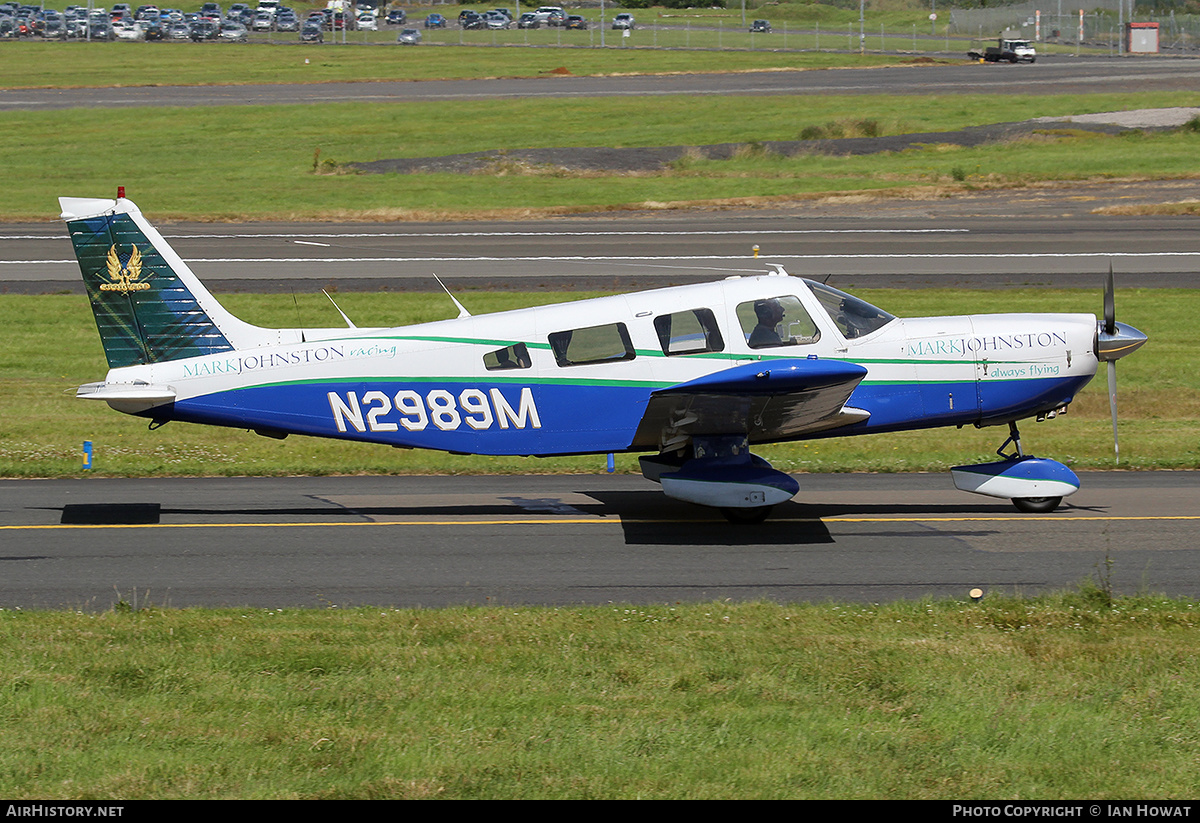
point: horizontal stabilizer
(130, 398)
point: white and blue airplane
(693, 377)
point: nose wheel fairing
(1018, 478)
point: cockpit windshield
(854, 317)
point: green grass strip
(1081, 694)
(289, 162)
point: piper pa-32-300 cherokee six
(693, 376)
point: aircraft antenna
(299, 323)
(349, 322)
(462, 311)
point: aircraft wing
(767, 401)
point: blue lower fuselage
(547, 417)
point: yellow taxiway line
(591, 521)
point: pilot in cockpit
(770, 315)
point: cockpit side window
(688, 332)
(853, 317)
(776, 321)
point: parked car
(409, 37)
(472, 21)
(544, 13)
(53, 28)
(396, 17)
(528, 20)
(204, 29)
(286, 21)
(575, 21)
(435, 21)
(96, 31)
(495, 20)
(179, 31)
(624, 20)
(263, 21)
(760, 25)
(232, 32)
(366, 21)
(312, 31)
(128, 30)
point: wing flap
(778, 400)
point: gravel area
(1138, 119)
(652, 159)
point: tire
(749, 516)
(1036, 505)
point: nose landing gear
(1033, 484)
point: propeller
(1113, 341)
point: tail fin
(149, 306)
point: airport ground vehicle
(1005, 51)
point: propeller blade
(1110, 309)
(1112, 404)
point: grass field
(42, 65)
(1067, 697)
(288, 162)
(53, 347)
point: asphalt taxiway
(575, 539)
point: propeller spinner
(1113, 341)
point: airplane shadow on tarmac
(646, 517)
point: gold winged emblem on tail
(124, 278)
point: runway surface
(561, 540)
(1050, 75)
(1003, 239)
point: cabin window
(515, 356)
(688, 332)
(776, 321)
(594, 344)
(853, 317)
